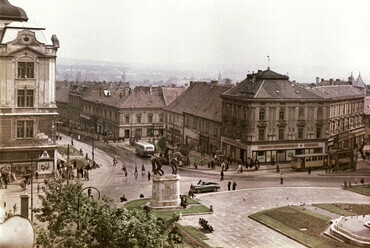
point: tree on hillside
(97, 223)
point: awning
(60, 157)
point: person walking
(229, 185)
(136, 173)
(234, 185)
(277, 167)
(309, 170)
(222, 175)
(142, 169)
(281, 178)
(148, 176)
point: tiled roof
(200, 99)
(359, 82)
(270, 85)
(61, 95)
(116, 97)
(170, 94)
(337, 91)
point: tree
(97, 223)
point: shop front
(284, 152)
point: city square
(216, 157)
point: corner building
(267, 116)
(27, 93)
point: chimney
(331, 81)
(213, 82)
(317, 80)
(350, 80)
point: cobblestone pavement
(230, 219)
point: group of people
(234, 184)
(136, 173)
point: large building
(268, 117)
(27, 93)
(195, 117)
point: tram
(305, 161)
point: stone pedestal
(165, 192)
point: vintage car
(204, 186)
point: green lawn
(196, 234)
(195, 208)
(362, 189)
(302, 225)
(345, 209)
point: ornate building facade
(27, 93)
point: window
(24, 98)
(160, 117)
(300, 133)
(319, 113)
(25, 70)
(262, 115)
(261, 134)
(281, 114)
(318, 132)
(301, 114)
(281, 133)
(150, 119)
(127, 119)
(215, 132)
(24, 129)
(138, 118)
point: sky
(304, 39)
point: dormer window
(26, 70)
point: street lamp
(78, 199)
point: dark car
(204, 186)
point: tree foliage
(97, 223)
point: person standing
(309, 170)
(277, 167)
(281, 178)
(142, 169)
(148, 176)
(229, 185)
(222, 175)
(234, 185)
(136, 173)
(15, 208)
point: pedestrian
(37, 175)
(234, 185)
(136, 173)
(148, 176)
(222, 175)
(123, 198)
(281, 178)
(277, 167)
(38, 188)
(142, 169)
(191, 191)
(15, 208)
(229, 185)
(309, 170)
(258, 163)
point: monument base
(165, 192)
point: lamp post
(131, 120)
(78, 200)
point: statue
(172, 160)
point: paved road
(257, 190)
(230, 219)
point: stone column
(165, 192)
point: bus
(144, 149)
(304, 161)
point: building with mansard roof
(269, 117)
(27, 93)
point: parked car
(204, 186)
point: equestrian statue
(166, 159)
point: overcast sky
(328, 39)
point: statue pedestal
(165, 192)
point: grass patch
(63, 150)
(299, 224)
(195, 234)
(345, 209)
(362, 189)
(195, 208)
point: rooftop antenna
(268, 62)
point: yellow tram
(304, 161)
